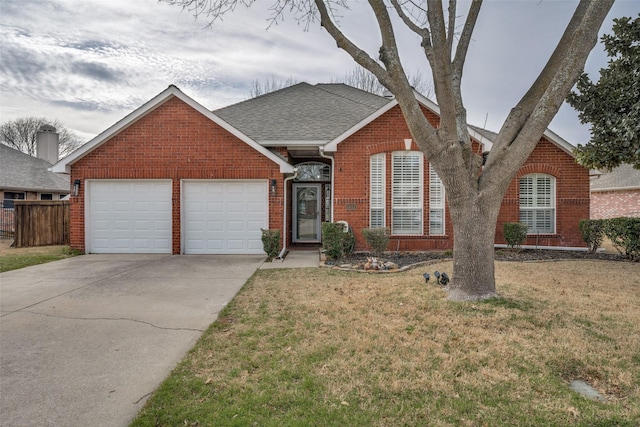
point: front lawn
(15, 258)
(330, 348)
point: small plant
(624, 233)
(270, 243)
(377, 239)
(592, 231)
(515, 234)
(335, 241)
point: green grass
(20, 260)
(325, 348)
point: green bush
(592, 231)
(337, 243)
(377, 239)
(271, 243)
(515, 234)
(624, 233)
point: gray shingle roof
(622, 177)
(19, 171)
(302, 112)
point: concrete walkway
(295, 259)
(84, 341)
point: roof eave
(560, 142)
(332, 146)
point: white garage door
(224, 217)
(128, 216)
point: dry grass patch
(14, 258)
(322, 347)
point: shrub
(592, 231)
(335, 241)
(515, 234)
(271, 243)
(377, 239)
(624, 233)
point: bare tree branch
(540, 104)
(465, 37)
(358, 55)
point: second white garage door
(224, 217)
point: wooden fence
(40, 223)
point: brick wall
(173, 142)
(384, 135)
(387, 134)
(613, 204)
(572, 196)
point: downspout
(284, 216)
(321, 150)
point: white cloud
(89, 63)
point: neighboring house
(174, 177)
(24, 177)
(616, 193)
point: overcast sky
(88, 63)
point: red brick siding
(572, 196)
(387, 134)
(351, 178)
(173, 142)
(614, 204)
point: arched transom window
(313, 171)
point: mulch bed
(403, 259)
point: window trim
(534, 207)
(420, 183)
(382, 196)
(441, 206)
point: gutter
(321, 151)
(284, 216)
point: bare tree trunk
(474, 222)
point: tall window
(436, 204)
(538, 203)
(406, 189)
(377, 188)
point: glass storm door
(306, 212)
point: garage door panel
(129, 216)
(231, 218)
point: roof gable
(64, 165)
(20, 171)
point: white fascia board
(332, 146)
(483, 140)
(292, 143)
(562, 143)
(429, 104)
(63, 166)
(284, 166)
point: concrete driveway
(84, 341)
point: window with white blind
(436, 204)
(377, 179)
(406, 191)
(538, 203)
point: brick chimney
(47, 140)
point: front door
(306, 212)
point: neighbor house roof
(20, 171)
(622, 178)
(302, 114)
(172, 91)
